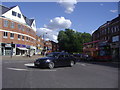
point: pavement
(20, 57)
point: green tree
(72, 41)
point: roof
(5, 9)
(28, 21)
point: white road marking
(29, 64)
(81, 64)
(18, 69)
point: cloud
(47, 34)
(113, 11)
(53, 27)
(69, 5)
(58, 23)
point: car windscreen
(53, 55)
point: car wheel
(51, 65)
(72, 63)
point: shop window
(6, 23)
(12, 35)
(12, 25)
(5, 34)
(14, 13)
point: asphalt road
(22, 74)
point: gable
(15, 14)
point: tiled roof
(4, 9)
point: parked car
(87, 57)
(55, 59)
(78, 57)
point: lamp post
(11, 49)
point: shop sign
(20, 45)
(27, 46)
(7, 45)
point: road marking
(29, 64)
(18, 69)
(47, 70)
(83, 64)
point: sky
(51, 17)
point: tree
(72, 41)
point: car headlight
(48, 60)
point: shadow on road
(104, 63)
(35, 67)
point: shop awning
(22, 48)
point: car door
(67, 59)
(60, 60)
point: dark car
(55, 59)
(78, 57)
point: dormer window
(14, 13)
(19, 15)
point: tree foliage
(72, 41)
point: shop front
(32, 50)
(115, 47)
(21, 50)
(7, 49)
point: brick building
(39, 44)
(17, 32)
(107, 35)
(55, 46)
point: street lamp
(11, 49)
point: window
(22, 37)
(19, 37)
(26, 38)
(5, 34)
(13, 13)
(11, 35)
(39, 40)
(19, 26)
(12, 25)
(115, 38)
(5, 23)
(19, 15)
(22, 28)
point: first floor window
(18, 37)
(22, 37)
(5, 34)
(11, 35)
